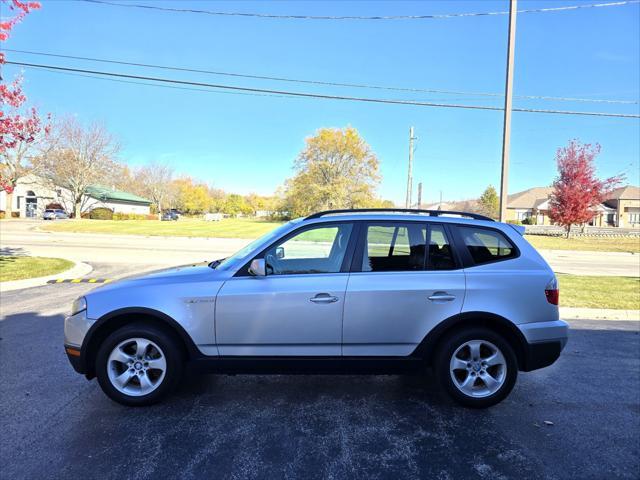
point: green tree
(336, 169)
(235, 205)
(489, 202)
(192, 198)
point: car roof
(400, 217)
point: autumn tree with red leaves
(577, 190)
(21, 127)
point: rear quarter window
(486, 246)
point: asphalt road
(22, 237)
(55, 424)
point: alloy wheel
(136, 366)
(478, 368)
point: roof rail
(431, 213)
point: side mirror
(258, 268)
(279, 252)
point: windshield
(243, 252)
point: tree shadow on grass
(9, 254)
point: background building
(620, 209)
(34, 194)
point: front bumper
(544, 342)
(75, 329)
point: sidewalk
(581, 313)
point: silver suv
(343, 291)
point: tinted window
(440, 256)
(487, 245)
(314, 250)
(394, 248)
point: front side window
(394, 248)
(487, 245)
(314, 250)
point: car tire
(476, 367)
(139, 365)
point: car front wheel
(476, 367)
(138, 365)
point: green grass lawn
(185, 227)
(599, 292)
(252, 228)
(19, 268)
(620, 244)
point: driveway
(56, 424)
(22, 237)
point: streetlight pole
(508, 97)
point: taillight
(552, 292)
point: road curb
(80, 269)
(580, 313)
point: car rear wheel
(476, 367)
(138, 365)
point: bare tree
(156, 182)
(81, 156)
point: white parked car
(340, 291)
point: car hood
(188, 273)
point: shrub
(527, 221)
(101, 213)
(515, 222)
(15, 214)
(133, 216)
(2, 213)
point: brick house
(620, 209)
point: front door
(401, 289)
(296, 309)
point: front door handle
(324, 298)
(441, 297)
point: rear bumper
(544, 343)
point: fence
(578, 231)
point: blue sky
(246, 143)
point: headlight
(79, 305)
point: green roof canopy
(100, 192)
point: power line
(318, 82)
(175, 87)
(354, 17)
(158, 85)
(317, 95)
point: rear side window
(487, 246)
(440, 256)
(394, 248)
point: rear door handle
(324, 298)
(441, 297)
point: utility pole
(508, 97)
(420, 195)
(407, 202)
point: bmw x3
(342, 291)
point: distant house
(625, 201)
(620, 209)
(115, 200)
(34, 194)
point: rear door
(405, 280)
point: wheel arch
(111, 321)
(497, 323)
